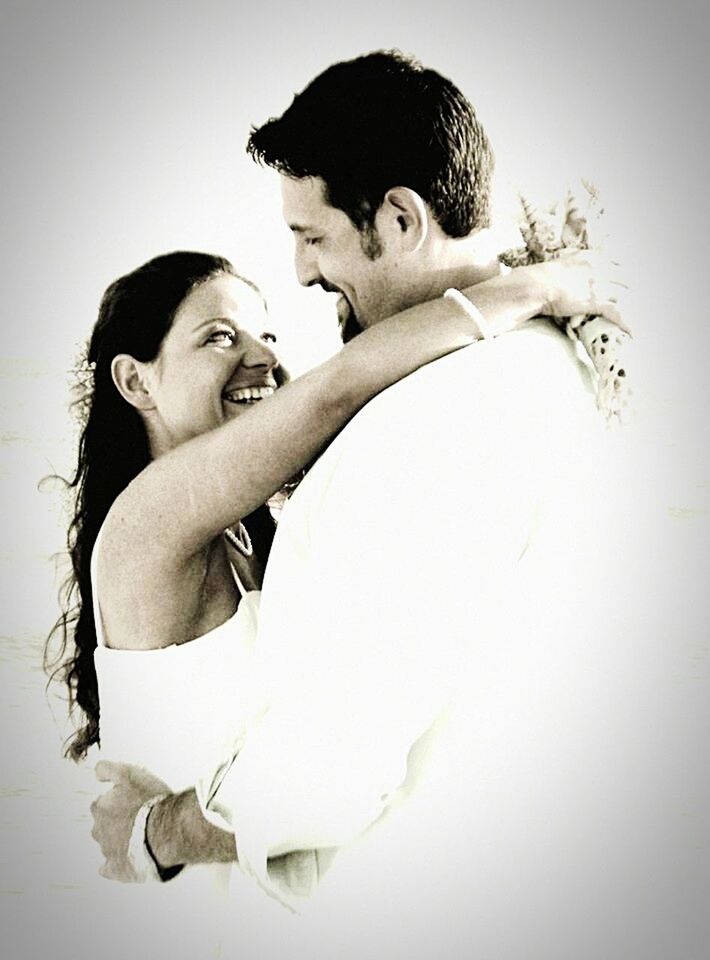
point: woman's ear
(130, 378)
(407, 217)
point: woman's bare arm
(577, 283)
(187, 496)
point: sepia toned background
(124, 127)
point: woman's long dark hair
(135, 314)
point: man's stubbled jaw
(347, 321)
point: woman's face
(215, 362)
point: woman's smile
(248, 395)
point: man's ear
(407, 216)
(131, 381)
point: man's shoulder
(535, 367)
(503, 401)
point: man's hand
(580, 282)
(114, 813)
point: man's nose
(306, 265)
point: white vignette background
(124, 129)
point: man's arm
(176, 831)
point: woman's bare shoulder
(147, 595)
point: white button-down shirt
(424, 556)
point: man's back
(450, 583)
(422, 536)
(438, 488)
(450, 687)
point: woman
(178, 447)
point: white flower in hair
(83, 381)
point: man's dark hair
(382, 121)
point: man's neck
(459, 263)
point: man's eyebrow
(298, 228)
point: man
(415, 646)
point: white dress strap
(240, 586)
(98, 623)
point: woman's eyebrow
(230, 321)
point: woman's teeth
(247, 394)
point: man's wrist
(165, 871)
(139, 854)
(158, 835)
(177, 834)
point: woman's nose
(257, 353)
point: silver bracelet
(470, 310)
(138, 854)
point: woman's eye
(312, 241)
(268, 337)
(222, 337)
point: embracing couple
(368, 706)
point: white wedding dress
(172, 710)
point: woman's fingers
(611, 312)
(606, 287)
